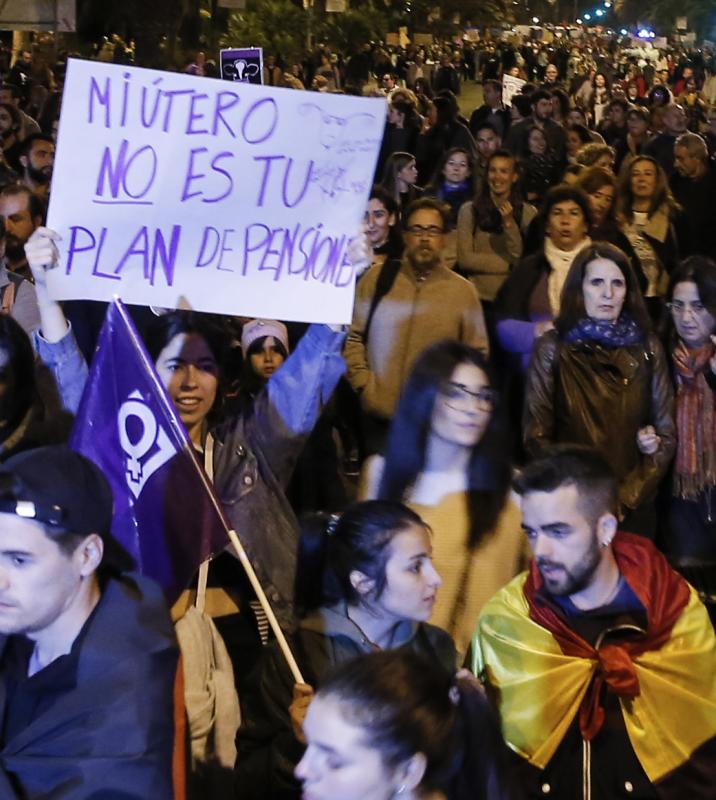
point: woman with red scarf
(691, 540)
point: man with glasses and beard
(601, 659)
(402, 307)
(37, 158)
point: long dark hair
(21, 364)
(333, 546)
(408, 705)
(162, 330)
(571, 306)
(250, 384)
(485, 215)
(489, 468)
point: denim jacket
(254, 457)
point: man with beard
(601, 659)
(541, 118)
(23, 212)
(397, 317)
(12, 94)
(37, 158)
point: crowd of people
(482, 513)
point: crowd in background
(539, 272)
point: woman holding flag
(250, 458)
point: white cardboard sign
(186, 192)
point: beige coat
(412, 316)
(488, 257)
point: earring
(401, 790)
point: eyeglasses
(678, 308)
(423, 230)
(485, 399)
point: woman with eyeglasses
(690, 540)
(447, 457)
(600, 378)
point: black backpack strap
(386, 279)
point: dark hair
(563, 98)
(27, 143)
(607, 82)
(581, 130)
(564, 194)
(701, 271)
(431, 203)
(332, 546)
(659, 96)
(34, 205)
(489, 467)
(494, 84)
(446, 108)
(406, 705)
(486, 125)
(383, 196)
(539, 94)
(571, 306)
(14, 113)
(523, 104)
(14, 89)
(162, 330)
(573, 465)
(619, 101)
(21, 363)
(572, 169)
(250, 384)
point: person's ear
(606, 529)
(24, 160)
(89, 554)
(391, 220)
(361, 582)
(409, 775)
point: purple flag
(165, 513)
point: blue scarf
(621, 333)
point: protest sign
(510, 87)
(184, 192)
(244, 65)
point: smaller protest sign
(243, 65)
(510, 87)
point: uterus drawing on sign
(342, 140)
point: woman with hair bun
(365, 582)
(391, 725)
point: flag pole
(230, 532)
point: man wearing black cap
(87, 658)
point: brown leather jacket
(587, 394)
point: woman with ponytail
(390, 726)
(365, 582)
